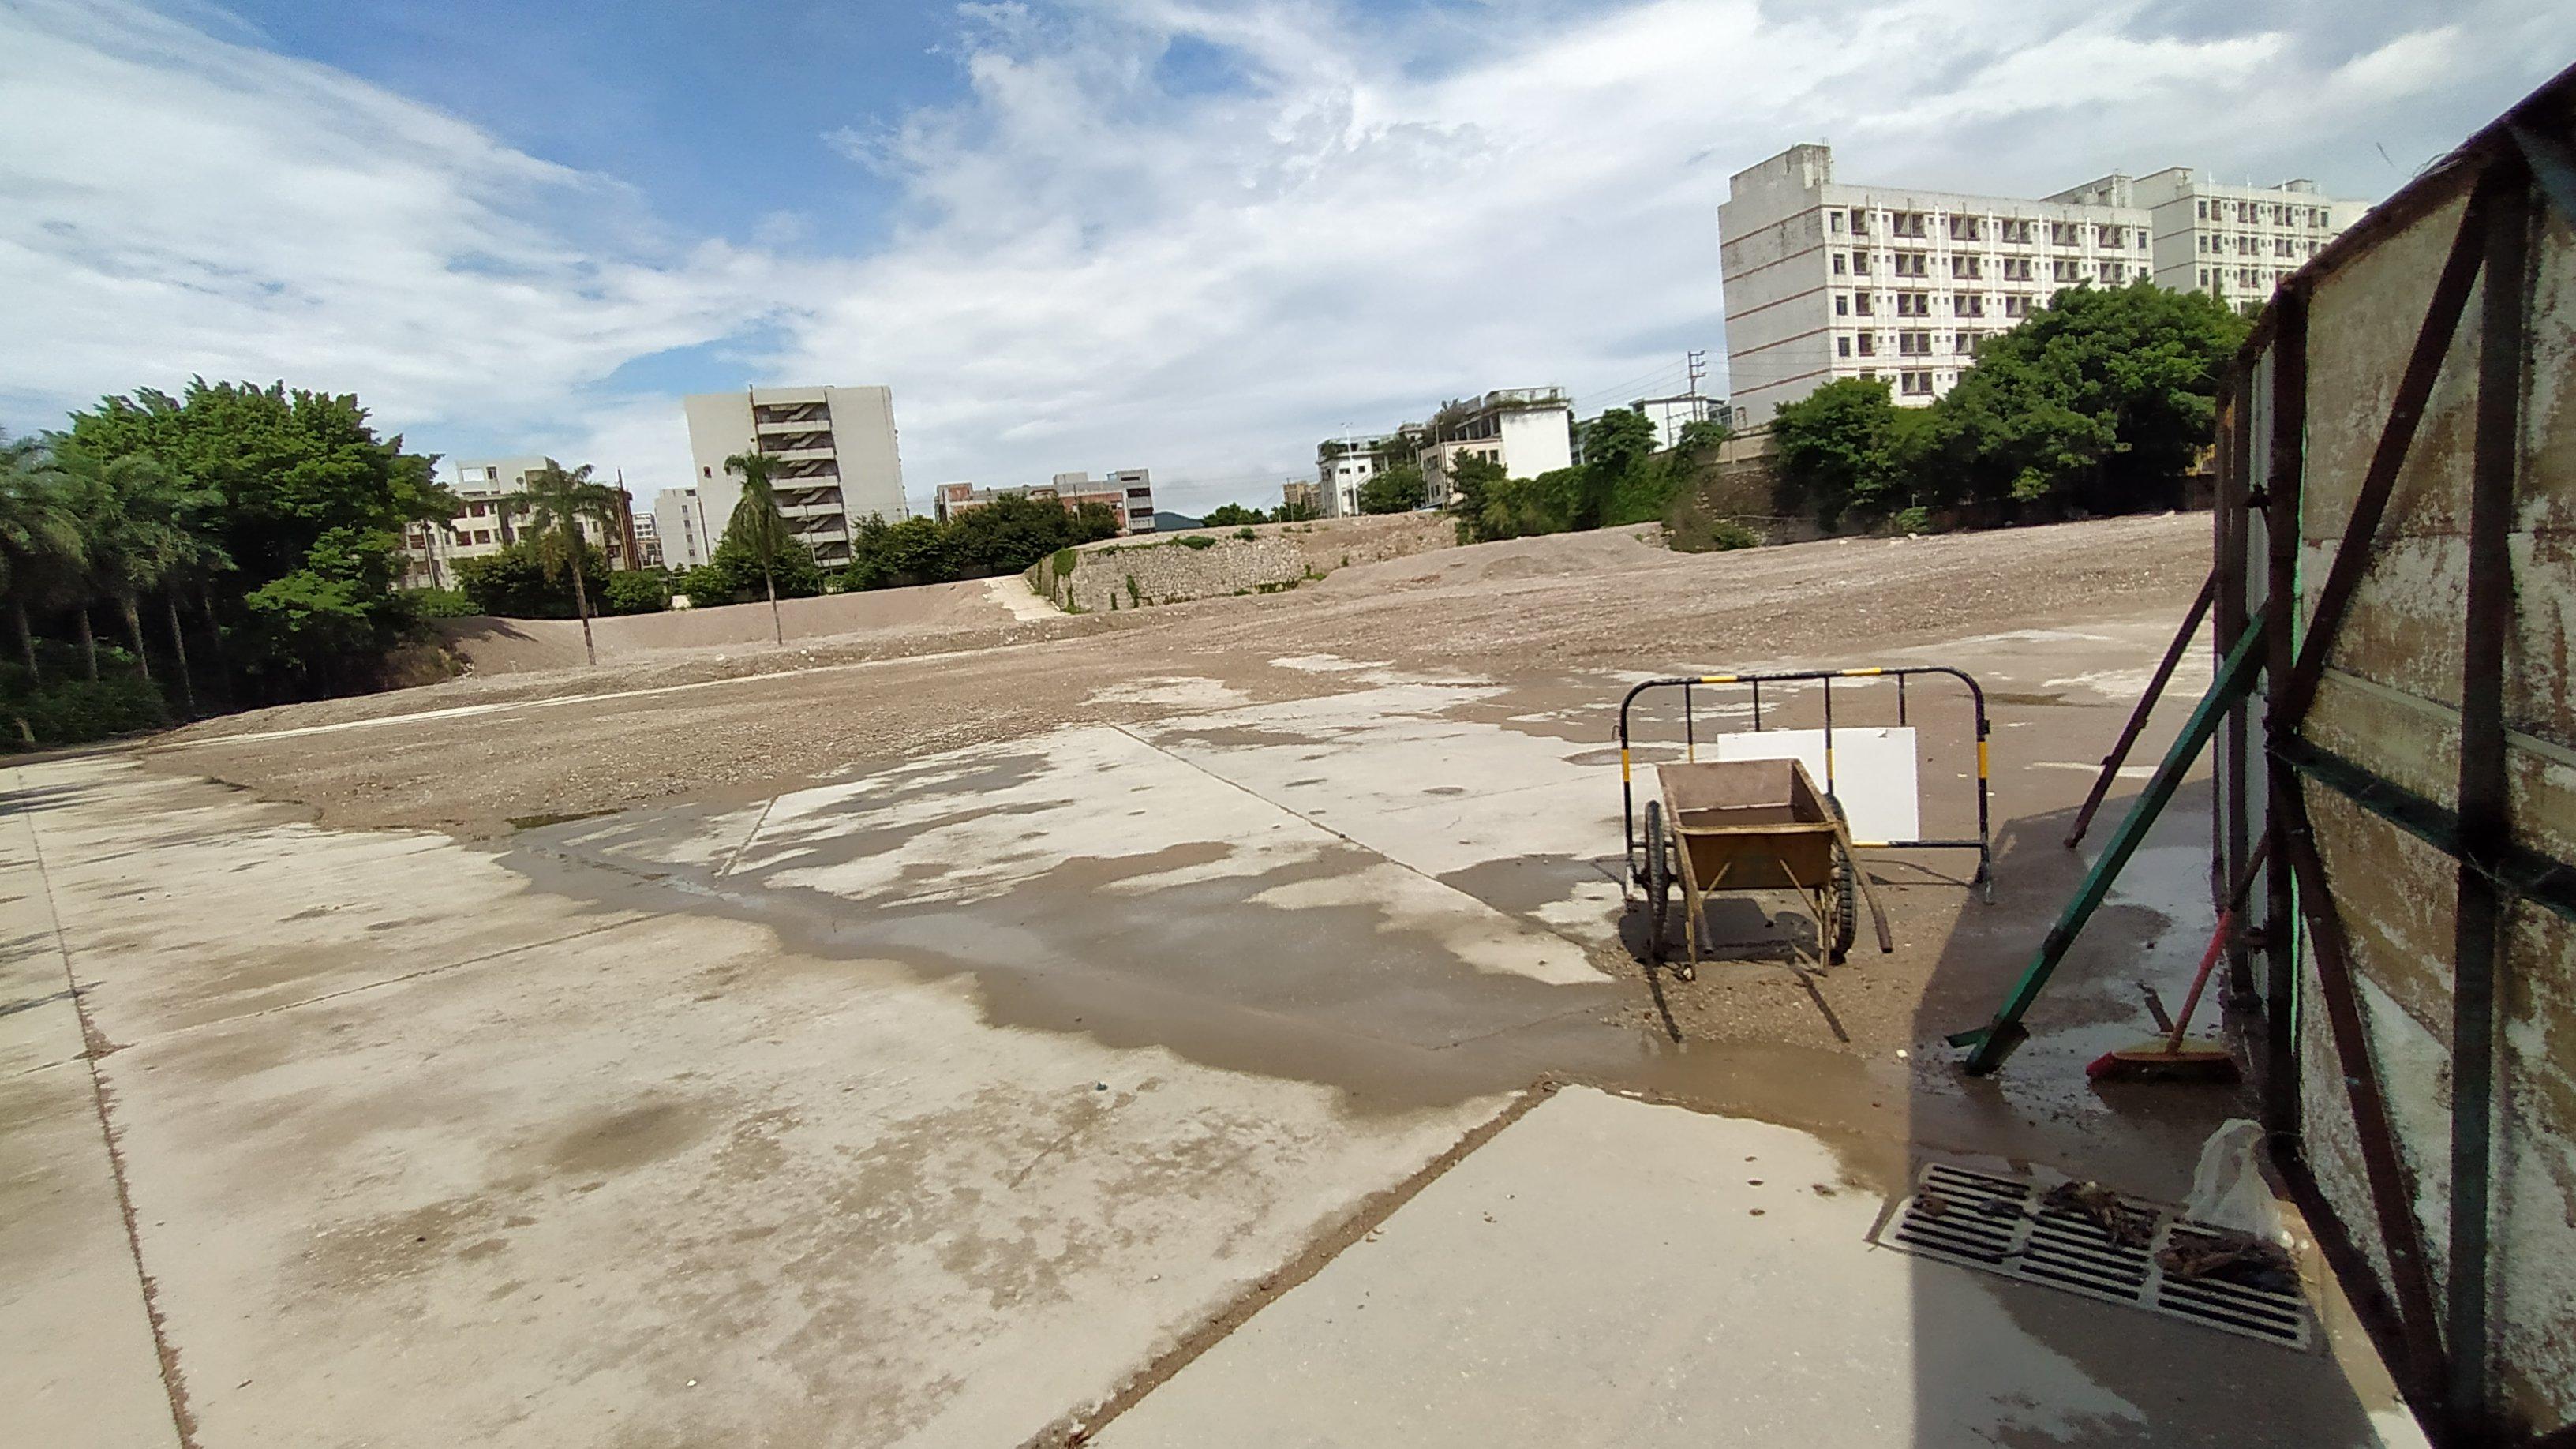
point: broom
(2168, 1058)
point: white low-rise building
(1826, 281)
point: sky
(1190, 237)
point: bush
(1197, 540)
(1227, 515)
(636, 591)
(515, 584)
(733, 576)
(440, 604)
(1247, 535)
(75, 711)
(1912, 520)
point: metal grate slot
(2002, 1225)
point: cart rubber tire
(1659, 884)
(1843, 896)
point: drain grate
(2000, 1224)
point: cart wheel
(1659, 883)
(1842, 903)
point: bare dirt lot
(972, 1035)
(1531, 611)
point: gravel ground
(581, 741)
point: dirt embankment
(510, 646)
(472, 754)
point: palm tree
(758, 526)
(132, 512)
(40, 540)
(556, 502)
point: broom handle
(2217, 942)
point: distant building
(1128, 492)
(648, 542)
(837, 459)
(482, 527)
(2234, 242)
(680, 521)
(1529, 430)
(1296, 497)
(1342, 465)
(1826, 281)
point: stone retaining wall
(1135, 573)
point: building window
(1835, 220)
(1913, 264)
(2204, 210)
(2016, 232)
(2204, 276)
(1868, 345)
(2016, 306)
(1842, 305)
(1916, 384)
(1913, 304)
(1838, 264)
(2061, 234)
(2016, 269)
(1914, 344)
(1842, 347)
(1967, 342)
(1860, 262)
(1860, 303)
(1967, 267)
(1967, 304)
(1963, 228)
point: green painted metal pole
(1996, 1039)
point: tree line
(2098, 403)
(234, 544)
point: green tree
(556, 503)
(1231, 515)
(1295, 510)
(1399, 489)
(1838, 447)
(300, 482)
(41, 547)
(140, 522)
(1701, 437)
(758, 529)
(2097, 403)
(895, 555)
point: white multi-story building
(1529, 430)
(836, 452)
(2234, 242)
(483, 525)
(680, 520)
(648, 541)
(1826, 281)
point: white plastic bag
(2227, 1189)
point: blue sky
(1193, 237)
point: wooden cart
(1746, 825)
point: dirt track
(1530, 611)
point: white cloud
(1089, 271)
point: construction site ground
(1221, 1023)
